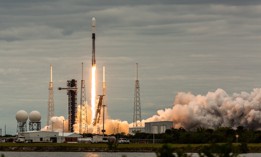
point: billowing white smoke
(57, 124)
(116, 126)
(216, 109)
(111, 126)
(60, 124)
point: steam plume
(57, 124)
(215, 109)
(111, 126)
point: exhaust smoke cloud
(215, 109)
(112, 126)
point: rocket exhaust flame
(93, 92)
(111, 126)
(93, 88)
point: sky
(181, 46)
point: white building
(136, 129)
(39, 136)
(47, 136)
(158, 127)
(69, 137)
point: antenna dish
(21, 116)
(35, 116)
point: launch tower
(72, 102)
(82, 102)
(137, 106)
(104, 101)
(50, 99)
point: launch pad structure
(72, 97)
(104, 92)
(83, 109)
(72, 102)
(137, 106)
(50, 98)
(98, 111)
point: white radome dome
(35, 116)
(21, 116)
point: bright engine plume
(93, 92)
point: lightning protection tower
(104, 101)
(137, 106)
(50, 99)
(82, 102)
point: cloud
(196, 46)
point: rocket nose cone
(93, 22)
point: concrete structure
(158, 127)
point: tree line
(201, 135)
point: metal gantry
(98, 111)
(82, 102)
(21, 127)
(50, 98)
(72, 102)
(104, 101)
(137, 105)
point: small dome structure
(21, 116)
(35, 116)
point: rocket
(93, 41)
